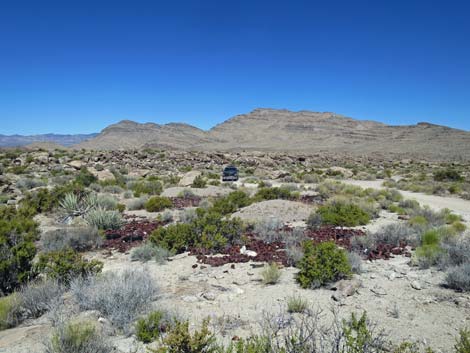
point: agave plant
(72, 206)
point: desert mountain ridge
(280, 130)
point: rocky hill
(283, 130)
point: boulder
(188, 178)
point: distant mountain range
(288, 131)
(276, 131)
(24, 140)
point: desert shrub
(150, 187)
(463, 342)
(343, 214)
(44, 200)
(418, 221)
(158, 203)
(447, 175)
(188, 215)
(430, 251)
(176, 237)
(272, 194)
(358, 336)
(166, 216)
(127, 194)
(314, 220)
(150, 327)
(294, 244)
(393, 234)
(296, 304)
(85, 178)
(77, 337)
(186, 193)
(77, 238)
(65, 265)
(269, 230)
(38, 297)
(322, 263)
(458, 227)
(208, 230)
(456, 251)
(18, 233)
(119, 296)
(106, 202)
(199, 182)
(137, 204)
(271, 274)
(214, 232)
(28, 183)
(179, 339)
(355, 261)
(104, 219)
(9, 307)
(458, 277)
(113, 189)
(149, 251)
(231, 203)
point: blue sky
(78, 66)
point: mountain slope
(128, 134)
(287, 131)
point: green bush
(447, 175)
(176, 237)
(45, 200)
(430, 251)
(180, 340)
(273, 194)
(231, 203)
(321, 264)
(463, 342)
(150, 187)
(343, 214)
(158, 203)
(149, 328)
(199, 182)
(18, 233)
(8, 306)
(208, 230)
(85, 178)
(65, 265)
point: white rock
(416, 285)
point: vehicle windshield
(230, 170)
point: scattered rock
(416, 285)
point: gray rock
(416, 285)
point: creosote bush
(343, 214)
(199, 182)
(150, 327)
(18, 233)
(209, 230)
(158, 203)
(65, 265)
(322, 263)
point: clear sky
(78, 66)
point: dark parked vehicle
(230, 173)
